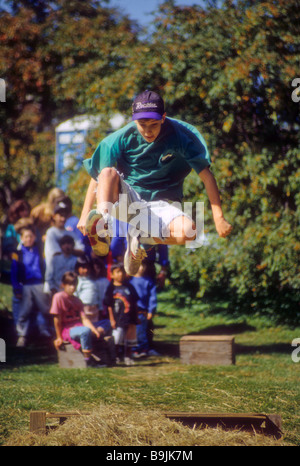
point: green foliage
(229, 70)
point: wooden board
(268, 424)
(257, 423)
(207, 350)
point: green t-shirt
(155, 170)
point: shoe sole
(131, 267)
(100, 245)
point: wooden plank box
(207, 350)
(69, 357)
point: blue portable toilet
(71, 144)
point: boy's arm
(50, 275)
(16, 285)
(222, 226)
(87, 323)
(57, 325)
(152, 301)
(88, 205)
(111, 317)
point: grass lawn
(264, 378)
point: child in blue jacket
(27, 276)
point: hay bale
(123, 426)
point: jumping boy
(148, 161)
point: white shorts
(152, 218)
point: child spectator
(57, 231)
(88, 293)
(70, 322)
(121, 299)
(60, 263)
(11, 238)
(102, 282)
(146, 305)
(27, 277)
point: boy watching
(60, 263)
(146, 305)
(121, 301)
(57, 231)
(70, 322)
(27, 276)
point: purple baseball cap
(148, 104)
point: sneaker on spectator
(128, 361)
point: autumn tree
(229, 71)
(58, 59)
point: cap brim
(147, 115)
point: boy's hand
(113, 323)
(58, 342)
(223, 227)
(81, 224)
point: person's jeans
(33, 300)
(142, 333)
(83, 335)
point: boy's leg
(130, 341)
(141, 335)
(23, 321)
(99, 222)
(42, 304)
(84, 336)
(168, 224)
(118, 334)
(180, 227)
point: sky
(138, 9)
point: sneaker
(95, 364)
(134, 255)
(137, 355)
(98, 232)
(128, 361)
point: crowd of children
(67, 292)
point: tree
(58, 59)
(229, 71)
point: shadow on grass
(279, 348)
(38, 351)
(43, 352)
(172, 349)
(34, 354)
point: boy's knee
(183, 229)
(109, 173)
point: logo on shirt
(165, 158)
